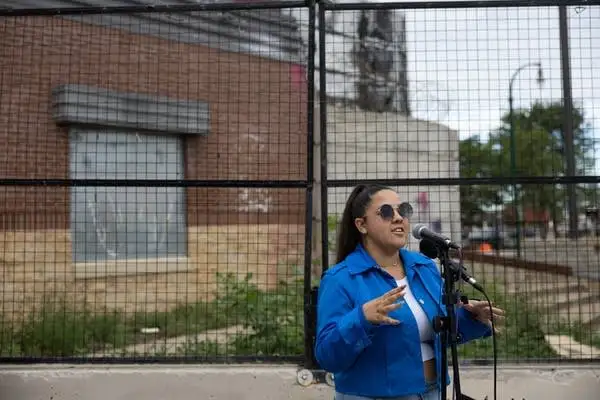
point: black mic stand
(446, 325)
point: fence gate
(481, 115)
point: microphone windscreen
(428, 248)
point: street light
(513, 146)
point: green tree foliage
(540, 151)
(540, 141)
(475, 163)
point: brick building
(201, 96)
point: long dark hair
(358, 201)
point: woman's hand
(481, 312)
(376, 311)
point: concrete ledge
(514, 262)
(102, 269)
(88, 105)
(265, 382)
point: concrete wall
(370, 145)
(58, 382)
(37, 265)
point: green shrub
(521, 335)
(275, 317)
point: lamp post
(513, 147)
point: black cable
(480, 289)
(494, 350)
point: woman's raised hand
(376, 311)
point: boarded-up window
(118, 223)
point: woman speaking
(377, 304)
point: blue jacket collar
(360, 260)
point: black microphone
(420, 231)
(469, 279)
(428, 248)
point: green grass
(521, 336)
(60, 328)
(275, 319)
(332, 223)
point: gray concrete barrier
(270, 382)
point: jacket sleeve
(470, 328)
(342, 330)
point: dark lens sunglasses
(386, 211)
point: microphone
(420, 231)
(428, 248)
(469, 279)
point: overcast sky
(463, 59)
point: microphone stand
(446, 325)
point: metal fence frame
(305, 184)
(570, 180)
(316, 12)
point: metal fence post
(309, 315)
(568, 120)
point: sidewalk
(270, 382)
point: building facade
(372, 145)
(196, 96)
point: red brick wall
(258, 119)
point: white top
(425, 326)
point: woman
(375, 306)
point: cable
(480, 289)
(494, 350)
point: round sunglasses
(386, 211)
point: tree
(540, 129)
(540, 151)
(474, 163)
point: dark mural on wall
(380, 56)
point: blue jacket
(380, 360)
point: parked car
(498, 237)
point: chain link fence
(173, 174)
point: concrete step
(561, 301)
(512, 276)
(534, 289)
(568, 347)
(585, 313)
